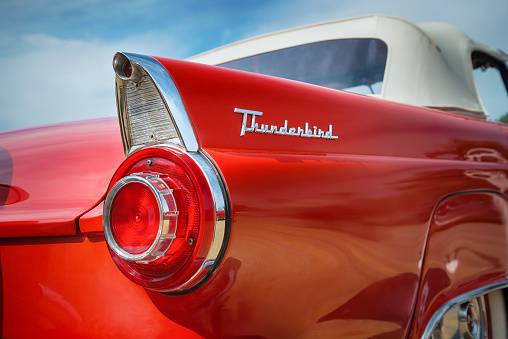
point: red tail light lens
(142, 217)
(160, 220)
(135, 218)
(127, 69)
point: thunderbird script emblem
(304, 132)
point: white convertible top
(428, 64)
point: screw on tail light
(161, 219)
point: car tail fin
(150, 108)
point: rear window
(355, 65)
(492, 80)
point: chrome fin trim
(177, 116)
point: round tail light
(161, 222)
(143, 217)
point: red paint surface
(329, 231)
(58, 173)
(467, 249)
(70, 287)
(364, 126)
(91, 222)
(334, 251)
(327, 238)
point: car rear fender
(52, 175)
(466, 255)
(353, 200)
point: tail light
(161, 221)
(165, 217)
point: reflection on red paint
(58, 173)
(14, 194)
(466, 238)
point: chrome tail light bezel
(216, 217)
(167, 218)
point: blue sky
(56, 55)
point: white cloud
(47, 79)
(50, 80)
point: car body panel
(476, 221)
(91, 222)
(363, 125)
(370, 227)
(360, 255)
(57, 174)
(79, 292)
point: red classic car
(263, 199)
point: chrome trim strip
(220, 232)
(304, 132)
(222, 219)
(169, 93)
(211, 176)
(167, 226)
(436, 317)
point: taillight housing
(163, 221)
